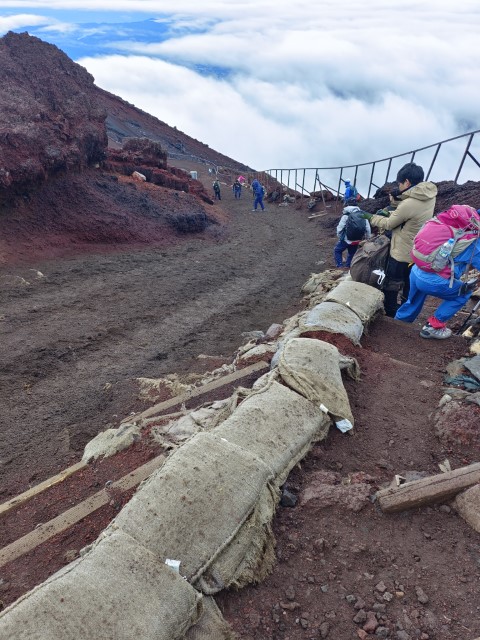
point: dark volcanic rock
(51, 120)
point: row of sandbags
(202, 522)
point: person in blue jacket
(258, 193)
(350, 192)
(455, 294)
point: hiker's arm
(341, 225)
(394, 220)
(368, 229)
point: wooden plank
(215, 384)
(199, 391)
(428, 490)
(38, 488)
(78, 512)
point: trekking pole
(468, 318)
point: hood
(349, 210)
(460, 216)
(421, 191)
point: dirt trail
(73, 340)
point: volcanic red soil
(84, 314)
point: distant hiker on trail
(258, 193)
(412, 205)
(351, 230)
(216, 190)
(237, 189)
(351, 193)
(454, 234)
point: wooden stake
(46, 484)
(442, 486)
(78, 512)
(199, 391)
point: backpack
(356, 226)
(352, 193)
(435, 233)
(216, 187)
(373, 254)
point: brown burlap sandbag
(117, 590)
(364, 300)
(212, 625)
(209, 507)
(312, 368)
(277, 425)
(333, 318)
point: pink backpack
(460, 222)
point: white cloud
(309, 84)
(8, 23)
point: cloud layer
(290, 84)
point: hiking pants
(258, 201)
(397, 278)
(423, 284)
(338, 252)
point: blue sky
(279, 83)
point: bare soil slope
(98, 287)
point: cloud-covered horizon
(282, 84)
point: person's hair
(412, 172)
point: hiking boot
(439, 334)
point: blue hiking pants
(338, 252)
(423, 284)
(258, 201)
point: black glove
(468, 287)
(382, 212)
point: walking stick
(468, 318)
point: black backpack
(356, 226)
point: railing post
(371, 180)
(464, 156)
(388, 170)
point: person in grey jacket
(345, 243)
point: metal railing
(458, 149)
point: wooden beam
(46, 484)
(199, 391)
(442, 486)
(78, 512)
(153, 411)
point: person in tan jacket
(412, 205)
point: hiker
(461, 226)
(351, 230)
(412, 205)
(237, 189)
(216, 190)
(258, 193)
(350, 195)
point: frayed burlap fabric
(362, 299)
(212, 625)
(333, 317)
(117, 590)
(277, 425)
(312, 368)
(210, 507)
